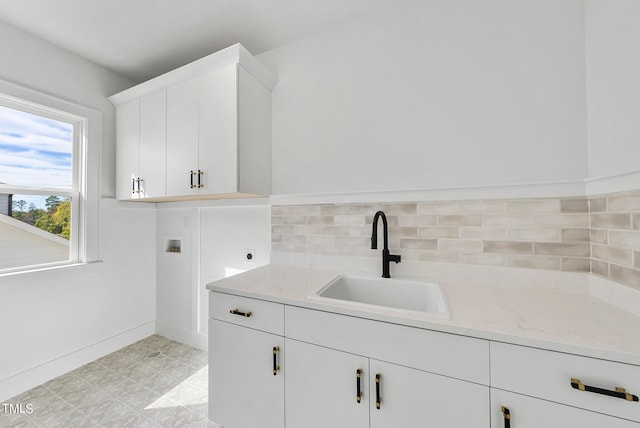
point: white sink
(407, 295)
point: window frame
(84, 193)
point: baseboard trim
(188, 337)
(21, 382)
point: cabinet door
(410, 398)
(528, 412)
(128, 149)
(182, 138)
(153, 144)
(243, 390)
(321, 386)
(218, 130)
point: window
(47, 217)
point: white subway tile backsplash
(625, 239)
(482, 233)
(599, 234)
(510, 220)
(624, 202)
(534, 234)
(417, 220)
(612, 254)
(508, 247)
(460, 220)
(576, 235)
(576, 264)
(611, 221)
(563, 220)
(438, 232)
(563, 249)
(467, 246)
(534, 262)
(529, 206)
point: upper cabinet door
(202, 131)
(182, 138)
(153, 144)
(128, 149)
(218, 130)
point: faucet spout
(386, 257)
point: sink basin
(405, 295)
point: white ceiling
(141, 39)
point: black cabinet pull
(618, 393)
(358, 389)
(192, 174)
(240, 313)
(276, 367)
(199, 175)
(507, 417)
(378, 401)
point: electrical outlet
(249, 255)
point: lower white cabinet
(510, 410)
(409, 398)
(246, 377)
(322, 387)
(585, 389)
(326, 387)
(349, 372)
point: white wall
(433, 94)
(55, 320)
(613, 86)
(214, 240)
(177, 274)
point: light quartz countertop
(570, 321)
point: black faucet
(386, 257)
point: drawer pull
(276, 367)
(507, 417)
(242, 314)
(378, 401)
(358, 389)
(618, 393)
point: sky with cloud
(34, 151)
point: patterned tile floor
(155, 382)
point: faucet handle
(394, 258)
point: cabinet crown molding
(235, 54)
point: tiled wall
(550, 233)
(615, 237)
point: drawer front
(528, 412)
(447, 354)
(548, 375)
(252, 313)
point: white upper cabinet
(218, 131)
(202, 131)
(153, 144)
(128, 153)
(182, 136)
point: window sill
(29, 270)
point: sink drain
(153, 354)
